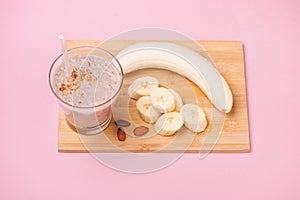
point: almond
(121, 134)
(140, 130)
(122, 123)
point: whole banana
(182, 61)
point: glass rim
(86, 107)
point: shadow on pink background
(31, 167)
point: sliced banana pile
(165, 108)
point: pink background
(31, 167)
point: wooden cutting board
(228, 57)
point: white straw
(63, 47)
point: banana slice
(162, 100)
(183, 61)
(194, 117)
(146, 110)
(177, 99)
(142, 87)
(168, 123)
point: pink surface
(31, 167)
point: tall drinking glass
(86, 89)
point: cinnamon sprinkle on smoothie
(73, 82)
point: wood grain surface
(228, 57)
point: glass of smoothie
(87, 88)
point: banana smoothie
(86, 91)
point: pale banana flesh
(162, 100)
(169, 123)
(193, 117)
(182, 61)
(142, 87)
(178, 100)
(146, 110)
